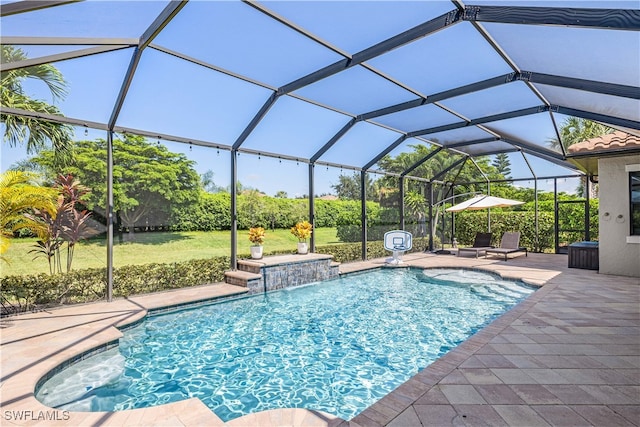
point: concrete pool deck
(567, 355)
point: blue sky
(176, 97)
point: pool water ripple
(338, 346)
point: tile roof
(611, 141)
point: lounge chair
(509, 244)
(481, 243)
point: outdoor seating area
(509, 244)
(481, 243)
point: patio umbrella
(482, 201)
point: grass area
(158, 247)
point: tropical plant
(37, 133)
(416, 206)
(65, 224)
(256, 235)
(575, 129)
(302, 230)
(48, 228)
(19, 195)
(76, 225)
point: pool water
(337, 346)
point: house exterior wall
(619, 252)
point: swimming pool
(336, 346)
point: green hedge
(23, 293)
(212, 213)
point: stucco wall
(617, 254)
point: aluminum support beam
(556, 230)
(557, 131)
(385, 152)
(615, 19)
(53, 118)
(473, 142)
(401, 203)
(535, 148)
(447, 169)
(30, 5)
(604, 88)
(392, 43)
(616, 121)
(312, 208)
(204, 64)
(363, 212)
(256, 120)
(535, 201)
(68, 41)
(484, 175)
(431, 224)
(158, 24)
(481, 120)
(587, 223)
(462, 90)
(109, 215)
(455, 178)
(295, 27)
(419, 162)
(49, 59)
(234, 209)
(333, 140)
(540, 178)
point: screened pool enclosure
(290, 97)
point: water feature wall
(282, 271)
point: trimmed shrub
(22, 293)
(210, 213)
(30, 292)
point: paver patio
(567, 355)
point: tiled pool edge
(541, 270)
(101, 348)
(148, 312)
(388, 408)
(122, 327)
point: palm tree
(575, 129)
(35, 132)
(19, 195)
(416, 206)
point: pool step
(243, 278)
(250, 266)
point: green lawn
(153, 247)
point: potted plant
(256, 236)
(302, 230)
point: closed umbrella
(482, 201)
